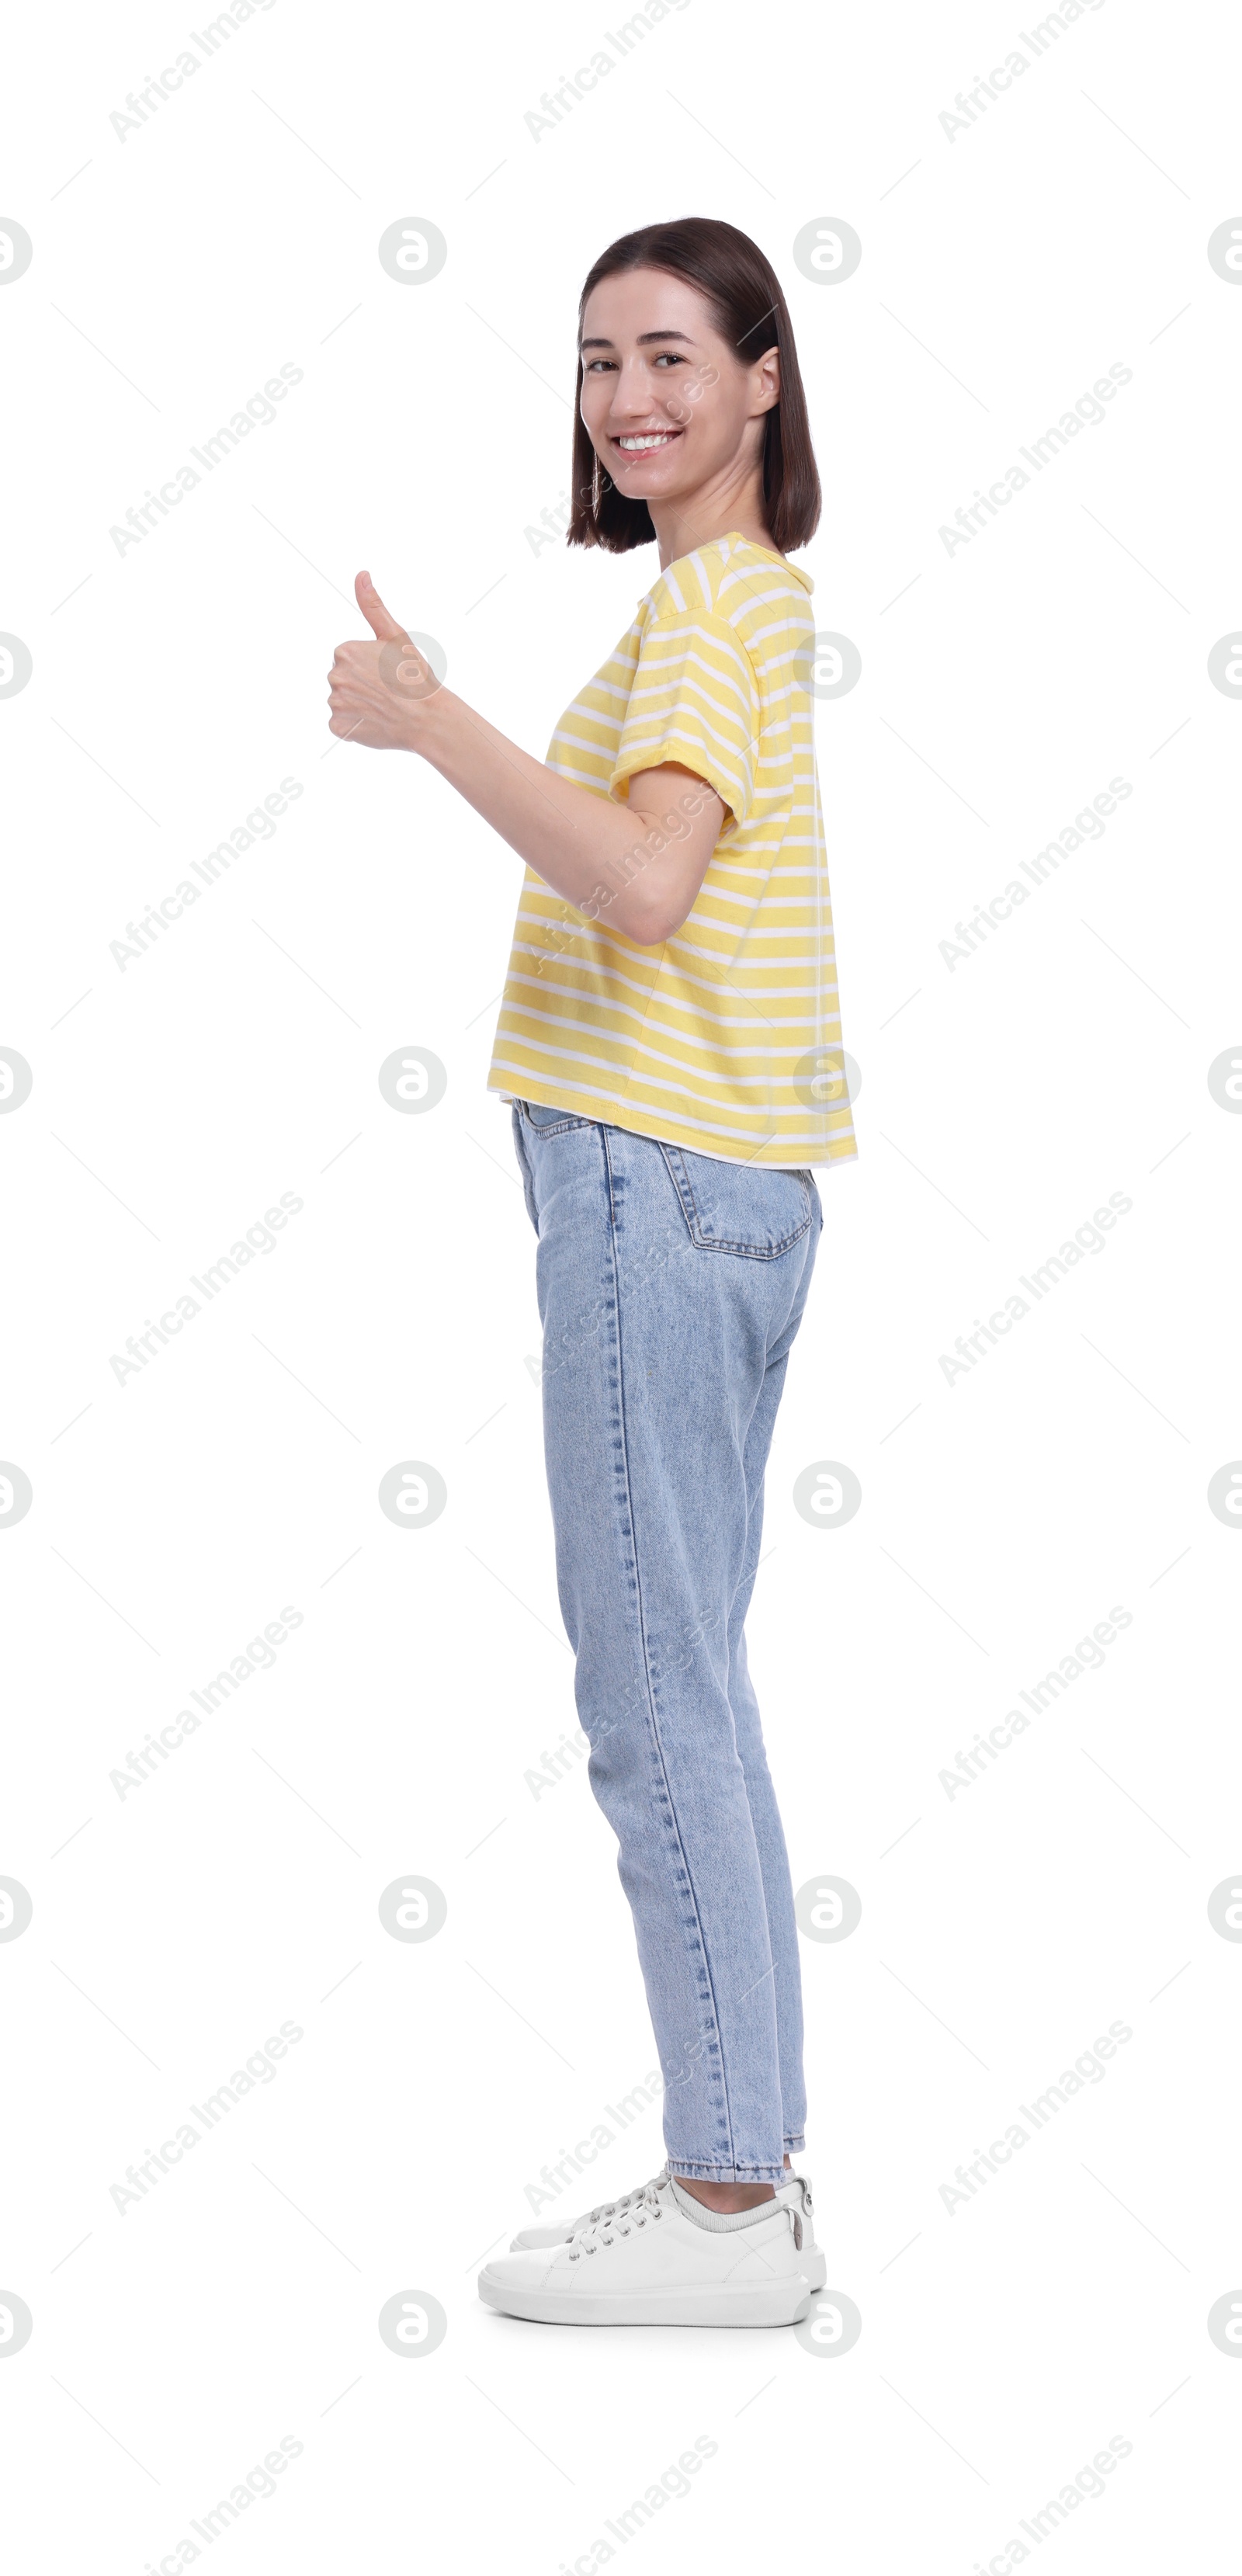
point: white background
(1003, 1514)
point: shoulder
(765, 596)
(730, 584)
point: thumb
(377, 616)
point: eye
(592, 364)
(670, 357)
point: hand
(375, 690)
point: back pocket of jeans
(739, 1207)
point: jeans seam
(526, 1170)
(699, 2172)
(642, 1630)
(752, 1251)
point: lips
(653, 443)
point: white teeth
(658, 438)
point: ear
(768, 374)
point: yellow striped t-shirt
(726, 1038)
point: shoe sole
(775, 2303)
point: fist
(376, 690)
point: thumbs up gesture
(376, 690)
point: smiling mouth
(645, 442)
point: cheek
(701, 409)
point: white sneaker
(654, 2266)
(529, 2239)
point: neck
(720, 509)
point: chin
(655, 483)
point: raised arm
(637, 866)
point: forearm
(630, 867)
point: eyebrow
(644, 337)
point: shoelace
(644, 2209)
(637, 2210)
(628, 2200)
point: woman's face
(668, 404)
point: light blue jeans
(670, 1288)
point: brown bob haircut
(749, 311)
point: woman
(670, 1041)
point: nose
(634, 404)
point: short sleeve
(693, 700)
